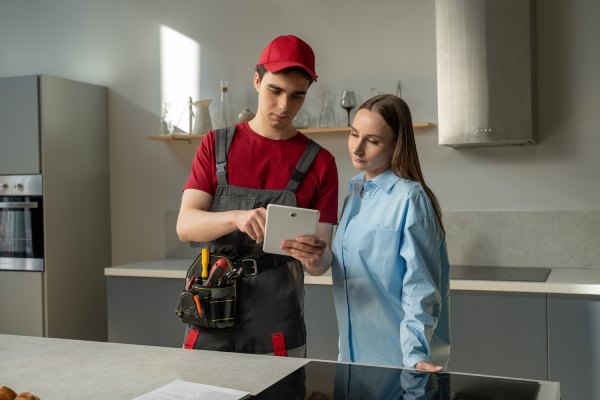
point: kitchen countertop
(577, 281)
(61, 369)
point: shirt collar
(386, 180)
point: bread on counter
(7, 393)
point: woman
(390, 267)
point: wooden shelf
(310, 131)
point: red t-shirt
(257, 162)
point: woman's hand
(425, 366)
(307, 249)
(313, 252)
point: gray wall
(360, 46)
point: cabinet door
(574, 345)
(142, 311)
(499, 333)
(21, 304)
(19, 126)
(321, 323)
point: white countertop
(577, 281)
(61, 369)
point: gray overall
(270, 292)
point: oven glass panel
(21, 227)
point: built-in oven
(21, 223)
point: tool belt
(211, 302)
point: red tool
(216, 272)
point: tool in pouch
(209, 296)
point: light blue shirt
(391, 275)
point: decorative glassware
(301, 120)
(348, 102)
(246, 115)
(223, 119)
(166, 125)
(327, 117)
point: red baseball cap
(288, 51)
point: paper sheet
(182, 390)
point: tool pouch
(207, 306)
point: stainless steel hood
(485, 72)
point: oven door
(21, 233)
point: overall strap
(303, 165)
(223, 138)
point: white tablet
(285, 223)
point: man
(234, 177)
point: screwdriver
(205, 256)
(217, 271)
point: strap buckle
(254, 267)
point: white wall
(359, 45)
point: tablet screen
(284, 223)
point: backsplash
(565, 239)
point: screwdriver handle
(205, 256)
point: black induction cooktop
(319, 380)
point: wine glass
(348, 102)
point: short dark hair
(261, 70)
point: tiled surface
(562, 239)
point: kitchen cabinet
(21, 308)
(321, 323)
(58, 128)
(499, 333)
(19, 126)
(574, 345)
(309, 131)
(142, 311)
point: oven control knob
(19, 186)
(3, 186)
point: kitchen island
(530, 330)
(60, 369)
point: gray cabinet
(321, 324)
(142, 311)
(19, 126)
(499, 333)
(21, 311)
(574, 345)
(59, 128)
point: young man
(234, 177)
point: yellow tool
(205, 256)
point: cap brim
(277, 66)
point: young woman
(390, 267)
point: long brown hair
(405, 160)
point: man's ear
(256, 81)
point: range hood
(485, 72)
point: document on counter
(183, 390)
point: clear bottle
(223, 118)
(166, 125)
(327, 116)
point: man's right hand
(252, 223)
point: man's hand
(425, 366)
(252, 223)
